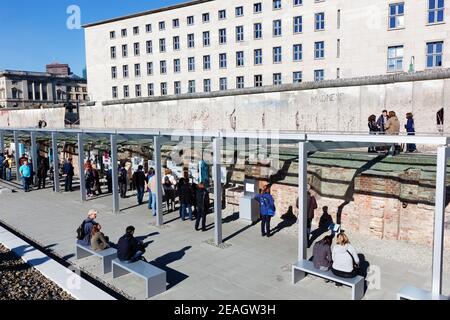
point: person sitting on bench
(322, 254)
(345, 258)
(129, 249)
(84, 232)
(98, 240)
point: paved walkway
(250, 267)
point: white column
(439, 219)
(302, 207)
(2, 142)
(115, 174)
(158, 177)
(81, 167)
(34, 154)
(217, 176)
(55, 161)
(16, 154)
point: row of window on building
(436, 10)
(277, 57)
(222, 15)
(206, 37)
(434, 59)
(319, 75)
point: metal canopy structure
(306, 142)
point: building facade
(210, 45)
(23, 89)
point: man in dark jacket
(382, 120)
(87, 226)
(69, 173)
(123, 181)
(322, 257)
(202, 200)
(2, 169)
(129, 249)
(42, 173)
(139, 183)
(186, 194)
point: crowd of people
(388, 123)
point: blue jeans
(153, 202)
(9, 174)
(135, 258)
(26, 183)
(183, 211)
(140, 194)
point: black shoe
(338, 284)
(204, 230)
(263, 234)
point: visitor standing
(393, 128)
(123, 174)
(25, 174)
(410, 129)
(68, 172)
(382, 120)
(185, 193)
(169, 184)
(139, 183)
(202, 204)
(266, 209)
(42, 173)
(373, 129)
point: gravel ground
(19, 281)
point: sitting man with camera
(129, 249)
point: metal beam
(81, 167)
(439, 219)
(115, 174)
(34, 155)
(55, 161)
(2, 142)
(16, 154)
(302, 196)
(158, 176)
(217, 157)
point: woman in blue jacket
(266, 209)
(409, 126)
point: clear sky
(34, 33)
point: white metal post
(302, 206)
(34, 155)
(55, 161)
(115, 174)
(217, 176)
(2, 142)
(439, 219)
(158, 177)
(81, 167)
(16, 154)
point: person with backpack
(202, 201)
(123, 181)
(139, 182)
(84, 231)
(345, 258)
(266, 209)
(129, 249)
(185, 193)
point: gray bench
(304, 267)
(107, 256)
(413, 293)
(155, 278)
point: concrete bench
(155, 278)
(413, 293)
(304, 267)
(107, 255)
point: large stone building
(209, 45)
(23, 89)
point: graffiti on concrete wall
(328, 97)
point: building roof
(18, 73)
(145, 13)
